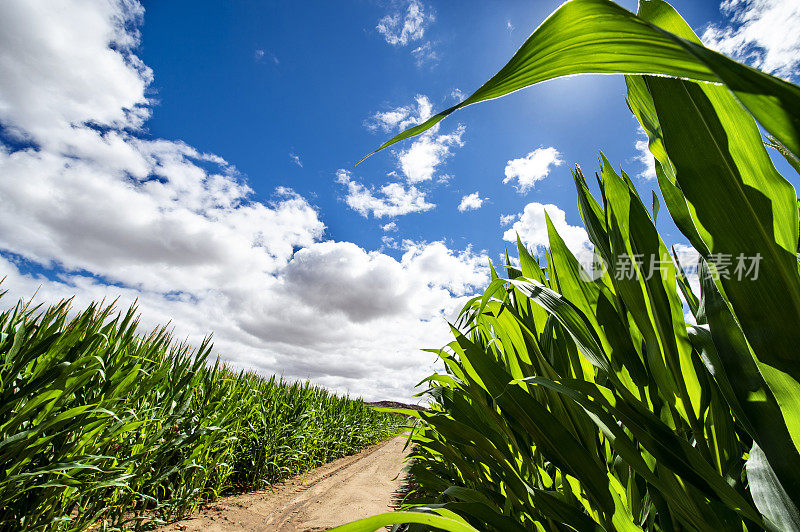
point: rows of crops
(584, 398)
(99, 424)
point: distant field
(395, 404)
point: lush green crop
(579, 400)
(99, 424)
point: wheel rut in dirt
(336, 493)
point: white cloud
(425, 53)
(763, 33)
(689, 260)
(78, 77)
(106, 213)
(389, 242)
(644, 156)
(419, 162)
(532, 229)
(428, 151)
(400, 28)
(344, 317)
(509, 26)
(436, 265)
(471, 202)
(532, 168)
(296, 159)
(182, 229)
(401, 118)
(391, 226)
(457, 95)
(506, 219)
(393, 199)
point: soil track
(346, 489)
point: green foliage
(101, 425)
(578, 400)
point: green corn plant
(578, 400)
(103, 426)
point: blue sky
(324, 71)
(199, 159)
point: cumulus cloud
(391, 226)
(471, 202)
(296, 159)
(405, 25)
(506, 219)
(535, 166)
(644, 156)
(393, 199)
(96, 210)
(377, 285)
(401, 118)
(318, 273)
(420, 161)
(531, 226)
(763, 33)
(347, 318)
(78, 76)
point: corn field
(100, 425)
(583, 398)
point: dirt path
(339, 492)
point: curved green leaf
(370, 524)
(598, 36)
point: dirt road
(339, 492)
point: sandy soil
(339, 492)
